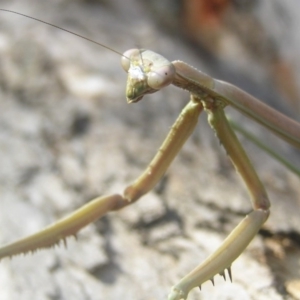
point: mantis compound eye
(161, 77)
(127, 57)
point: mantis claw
(229, 273)
(223, 275)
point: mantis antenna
(140, 63)
(66, 30)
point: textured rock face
(67, 135)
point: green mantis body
(148, 72)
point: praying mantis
(209, 95)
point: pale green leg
(70, 225)
(245, 231)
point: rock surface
(67, 135)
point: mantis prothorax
(148, 72)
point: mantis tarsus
(148, 72)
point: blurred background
(68, 135)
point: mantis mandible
(148, 72)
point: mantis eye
(161, 77)
(127, 58)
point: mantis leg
(96, 208)
(245, 231)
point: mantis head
(147, 71)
